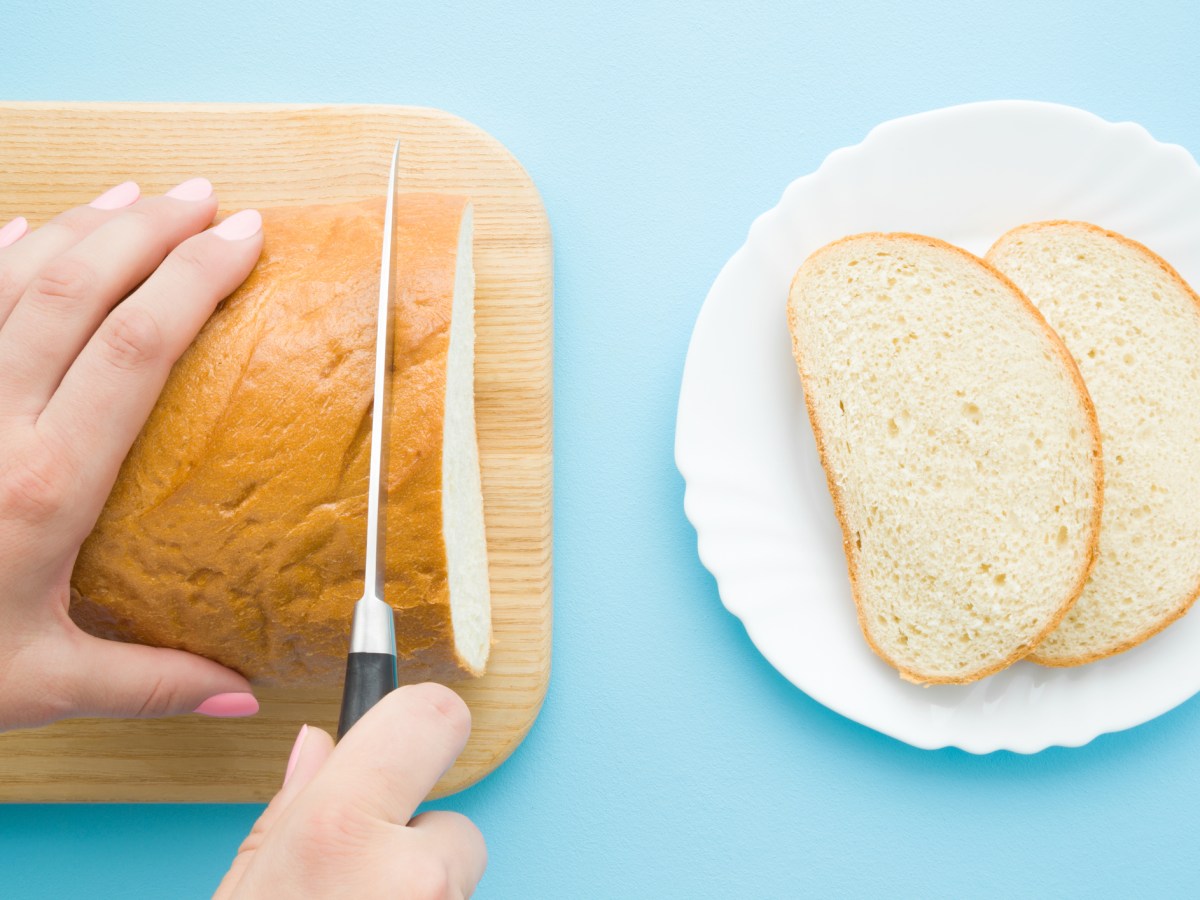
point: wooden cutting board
(53, 156)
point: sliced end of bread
(960, 447)
(1133, 325)
(462, 489)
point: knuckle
(33, 489)
(77, 222)
(254, 840)
(65, 282)
(146, 224)
(11, 286)
(190, 259)
(160, 700)
(442, 708)
(329, 841)
(467, 826)
(428, 878)
(131, 338)
(331, 832)
(142, 218)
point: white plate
(755, 490)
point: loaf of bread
(960, 447)
(1133, 325)
(236, 528)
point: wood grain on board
(54, 156)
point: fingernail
(295, 757)
(228, 706)
(193, 189)
(117, 198)
(239, 226)
(13, 231)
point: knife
(371, 663)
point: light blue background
(670, 760)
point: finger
(388, 762)
(109, 390)
(70, 296)
(19, 263)
(108, 678)
(454, 839)
(311, 750)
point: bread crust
(236, 527)
(1189, 600)
(848, 545)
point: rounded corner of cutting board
(486, 137)
(299, 146)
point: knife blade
(371, 662)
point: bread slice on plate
(237, 526)
(960, 446)
(1133, 325)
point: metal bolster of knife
(374, 629)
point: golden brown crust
(835, 492)
(236, 527)
(1169, 270)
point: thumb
(109, 678)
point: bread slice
(236, 528)
(1133, 325)
(434, 361)
(960, 447)
(463, 528)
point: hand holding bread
(95, 308)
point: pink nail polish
(192, 189)
(239, 226)
(228, 706)
(295, 755)
(13, 231)
(118, 197)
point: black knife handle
(369, 678)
